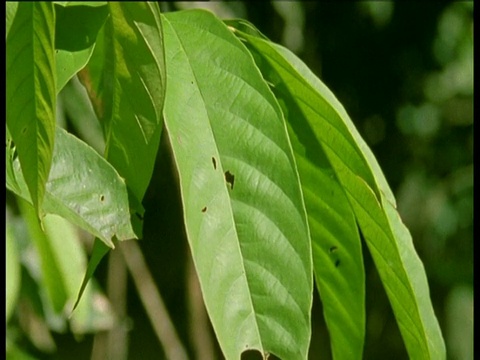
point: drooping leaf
(336, 246)
(98, 252)
(30, 94)
(83, 188)
(126, 83)
(364, 184)
(243, 209)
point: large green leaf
(30, 95)
(126, 82)
(243, 208)
(336, 246)
(389, 241)
(83, 188)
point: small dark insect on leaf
(214, 162)
(333, 248)
(204, 209)
(102, 197)
(337, 262)
(229, 178)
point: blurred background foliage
(404, 73)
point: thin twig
(117, 293)
(200, 333)
(152, 301)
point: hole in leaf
(229, 178)
(251, 355)
(214, 162)
(204, 209)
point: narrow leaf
(389, 241)
(243, 208)
(30, 95)
(336, 245)
(83, 188)
(98, 252)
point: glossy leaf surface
(243, 207)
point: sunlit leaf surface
(243, 208)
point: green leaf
(51, 276)
(31, 92)
(98, 252)
(129, 97)
(72, 263)
(76, 30)
(12, 271)
(81, 3)
(83, 188)
(11, 9)
(76, 27)
(76, 105)
(358, 172)
(336, 245)
(243, 208)
(69, 63)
